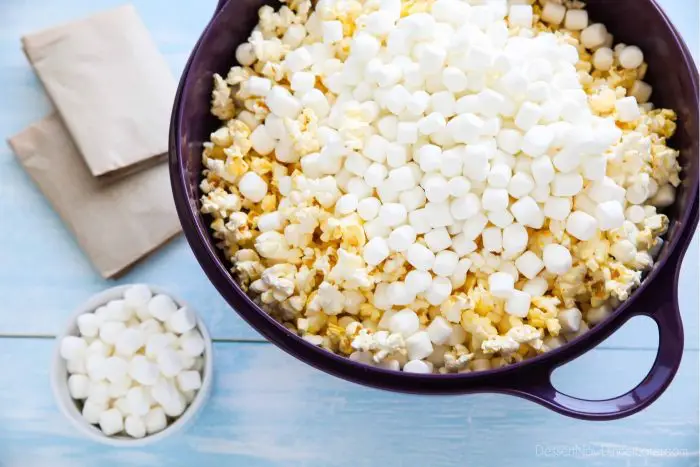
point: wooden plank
(267, 409)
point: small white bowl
(69, 407)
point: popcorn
(491, 184)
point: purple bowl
(675, 80)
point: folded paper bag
(111, 86)
(116, 223)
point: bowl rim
(66, 403)
(197, 235)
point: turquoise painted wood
(267, 409)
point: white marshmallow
(439, 330)
(553, 13)
(515, 238)
(111, 422)
(110, 331)
(518, 304)
(631, 57)
(169, 362)
(439, 290)
(542, 170)
(501, 284)
(576, 20)
(445, 263)
(182, 320)
(420, 257)
(155, 420)
(520, 185)
(581, 225)
(610, 215)
(537, 140)
(529, 264)
(137, 401)
(520, 15)
(492, 239)
(368, 208)
(129, 342)
(402, 238)
(162, 306)
(527, 212)
(404, 322)
(438, 239)
(557, 208)
(557, 259)
(567, 184)
(419, 346)
(376, 251)
(528, 116)
(78, 386)
(135, 426)
(627, 109)
(417, 366)
(73, 348)
(189, 380)
(570, 320)
(143, 371)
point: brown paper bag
(115, 222)
(110, 85)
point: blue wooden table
(268, 409)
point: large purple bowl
(675, 81)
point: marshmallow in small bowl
(133, 367)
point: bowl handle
(662, 307)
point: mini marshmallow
(557, 259)
(557, 208)
(520, 185)
(492, 239)
(553, 13)
(438, 239)
(135, 426)
(88, 325)
(189, 380)
(495, 199)
(111, 422)
(420, 257)
(567, 184)
(439, 290)
(78, 386)
(627, 109)
(392, 214)
(536, 287)
(465, 207)
(542, 170)
(594, 36)
(528, 116)
(419, 345)
(143, 371)
(515, 238)
(499, 176)
(570, 319)
(518, 304)
(404, 322)
(576, 20)
(169, 362)
(137, 401)
(445, 263)
(537, 140)
(376, 251)
(368, 208)
(115, 369)
(610, 215)
(129, 342)
(418, 281)
(501, 284)
(439, 330)
(73, 348)
(402, 238)
(527, 212)
(118, 311)
(529, 264)
(162, 306)
(155, 420)
(182, 320)
(417, 366)
(631, 57)
(110, 331)
(581, 225)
